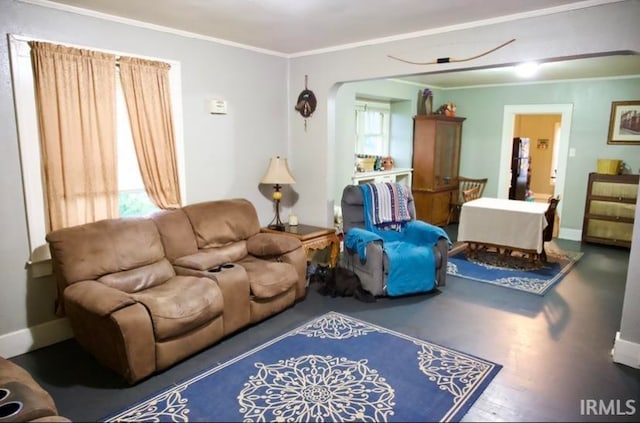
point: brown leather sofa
(144, 293)
(22, 399)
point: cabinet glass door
(446, 154)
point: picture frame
(624, 123)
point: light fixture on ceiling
(527, 70)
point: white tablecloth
(511, 223)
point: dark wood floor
(555, 349)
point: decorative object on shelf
(387, 163)
(278, 173)
(427, 102)
(624, 123)
(447, 109)
(306, 103)
(293, 220)
(449, 59)
(365, 163)
(610, 166)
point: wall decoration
(306, 103)
(624, 123)
(543, 143)
(452, 60)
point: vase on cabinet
(428, 105)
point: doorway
(508, 128)
(541, 131)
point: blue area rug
(533, 280)
(334, 368)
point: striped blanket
(388, 208)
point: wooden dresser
(436, 163)
(610, 209)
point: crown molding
(374, 41)
(146, 25)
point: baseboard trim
(570, 234)
(626, 352)
(34, 337)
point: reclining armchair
(374, 263)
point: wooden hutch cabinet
(610, 209)
(436, 162)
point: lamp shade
(278, 172)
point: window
(133, 198)
(372, 127)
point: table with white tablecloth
(506, 223)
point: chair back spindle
(465, 185)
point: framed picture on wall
(624, 123)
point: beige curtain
(145, 85)
(75, 97)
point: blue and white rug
(536, 281)
(334, 368)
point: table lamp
(277, 174)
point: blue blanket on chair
(410, 251)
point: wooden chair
(471, 194)
(465, 184)
(547, 233)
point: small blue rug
(334, 368)
(533, 280)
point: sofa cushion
(218, 223)
(212, 257)
(140, 278)
(95, 249)
(268, 278)
(181, 304)
(176, 233)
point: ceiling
(291, 28)
(592, 67)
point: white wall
(627, 345)
(225, 155)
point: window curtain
(75, 97)
(145, 85)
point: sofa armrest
(97, 298)
(201, 260)
(113, 327)
(441, 252)
(298, 259)
(372, 270)
(18, 385)
(269, 245)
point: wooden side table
(313, 238)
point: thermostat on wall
(218, 107)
